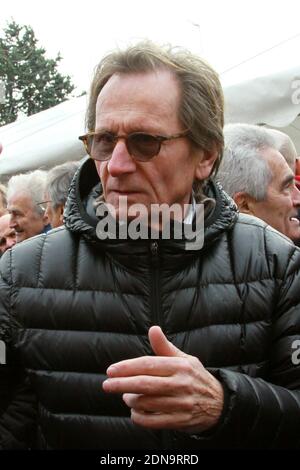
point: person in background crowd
(259, 179)
(151, 342)
(58, 183)
(7, 234)
(286, 147)
(25, 195)
(3, 201)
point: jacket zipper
(155, 288)
(157, 316)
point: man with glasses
(25, 194)
(152, 342)
(57, 187)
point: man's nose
(12, 222)
(121, 161)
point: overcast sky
(225, 33)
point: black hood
(80, 212)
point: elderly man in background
(286, 147)
(58, 183)
(258, 172)
(7, 234)
(25, 196)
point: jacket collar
(80, 216)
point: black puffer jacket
(71, 305)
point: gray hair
(243, 167)
(202, 103)
(284, 145)
(32, 184)
(58, 182)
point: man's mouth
(19, 233)
(125, 192)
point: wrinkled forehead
(20, 200)
(156, 93)
(279, 167)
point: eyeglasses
(43, 204)
(140, 145)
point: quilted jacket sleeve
(265, 413)
(17, 402)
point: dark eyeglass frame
(43, 204)
(133, 152)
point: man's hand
(170, 390)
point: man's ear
(61, 212)
(206, 162)
(46, 220)
(244, 202)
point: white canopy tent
(273, 100)
(51, 137)
(44, 139)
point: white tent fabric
(44, 139)
(273, 100)
(51, 137)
